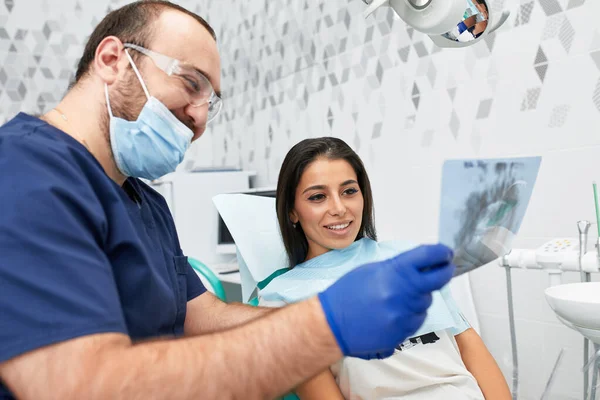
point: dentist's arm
(207, 314)
(262, 359)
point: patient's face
(328, 206)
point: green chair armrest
(210, 276)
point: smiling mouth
(338, 227)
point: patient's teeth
(338, 227)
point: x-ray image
(483, 203)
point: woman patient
(325, 213)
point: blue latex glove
(377, 306)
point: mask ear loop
(137, 72)
(110, 114)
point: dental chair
(216, 287)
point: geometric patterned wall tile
(524, 13)
(9, 4)
(541, 71)
(481, 49)
(541, 64)
(358, 56)
(596, 95)
(490, 40)
(452, 93)
(552, 26)
(454, 124)
(377, 130)
(427, 138)
(16, 90)
(421, 49)
(356, 141)
(595, 41)
(530, 101)
(559, 116)
(550, 7)
(431, 73)
(404, 53)
(410, 121)
(416, 95)
(595, 56)
(540, 58)
(485, 106)
(476, 139)
(575, 3)
(566, 34)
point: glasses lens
(214, 107)
(196, 86)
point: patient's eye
(350, 191)
(317, 197)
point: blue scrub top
(80, 255)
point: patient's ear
(294, 217)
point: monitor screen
(224, 238)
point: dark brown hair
(132, 23)
(296, 161)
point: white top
(432, 371)
(428, 367)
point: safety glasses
(196, 86)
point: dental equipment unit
(449, 23)
(576, 305)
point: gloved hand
(377, 306)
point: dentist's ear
(110, 61)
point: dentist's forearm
(207, 314)
(262, 359)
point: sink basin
(577, 305)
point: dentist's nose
(198, 117)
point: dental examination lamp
(449, 23)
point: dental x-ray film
(483, 203)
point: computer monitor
(225, 242)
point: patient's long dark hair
(297, 159)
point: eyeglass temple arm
(163, 62)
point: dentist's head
(146, 86)
(324, 199)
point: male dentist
(97, 300)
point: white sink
(577, 305)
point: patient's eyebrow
(349, 182)
(315, 187)
(324, 187)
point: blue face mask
(151, 146)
